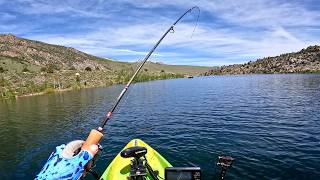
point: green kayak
(119, 168)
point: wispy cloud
(229, 31)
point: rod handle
(94, 138)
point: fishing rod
(96, 134)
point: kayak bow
(119, 168)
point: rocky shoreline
(305, 61)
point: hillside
(305, 61)
(28, 66)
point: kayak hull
(119, 168)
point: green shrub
(76, 86)
(78, 79)
(1, 69)
(72, 68)
(8, 93)
(51, 67)
(109, 83)
(25, 69)
(88, 69)
(49, 90)
(2, 82)
(32, 87)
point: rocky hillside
(305, 61)
(38, 54)
(28, 66)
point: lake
(270, 124)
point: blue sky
(228, 31)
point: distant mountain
(305, 61)
(28, 66)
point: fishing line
(96, 135)
(196, 25)
(171, 29)
(143, 61)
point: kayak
(119, 168)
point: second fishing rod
(96, 135)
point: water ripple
(269, 123)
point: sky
(227, 32)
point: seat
(136, 152)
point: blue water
(269, 123)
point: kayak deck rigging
(120, 167)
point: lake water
(269, 123)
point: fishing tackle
(74, 160)
(96, 134)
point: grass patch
(7, 93)
(49, 90)
(76, 86)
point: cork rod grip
(94, 138)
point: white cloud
(228, 45)
(247, 12)
(266, 13)
(229, 31)
(6, 16)
(73, 7)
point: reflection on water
(269, 123)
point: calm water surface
(269, 123)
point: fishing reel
(92, 164)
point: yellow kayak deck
(119, 168)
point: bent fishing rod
(96, 134)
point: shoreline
(43, 93)
(89, 87)
(234, 74)
(54, 92)
(72, 89)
